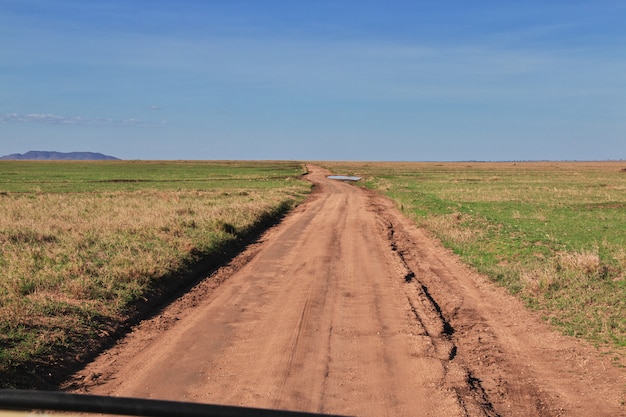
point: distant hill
(59, 156)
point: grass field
(82, 242)
(553, 233)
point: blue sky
(315, 80)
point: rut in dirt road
(343, 308)
(439, 332)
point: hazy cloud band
(55, 119)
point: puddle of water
(343, 178)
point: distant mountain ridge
(59, 156)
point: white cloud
(55, 119)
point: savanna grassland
(552, 233)
(82, 243)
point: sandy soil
(347, 308)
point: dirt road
(348, 308)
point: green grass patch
(552, 233)
(110, 176)
(82, 242)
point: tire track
(470, 394)
(481, 368)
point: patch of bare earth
(347, 308)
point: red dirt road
(348, 308)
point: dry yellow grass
(52, 241)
